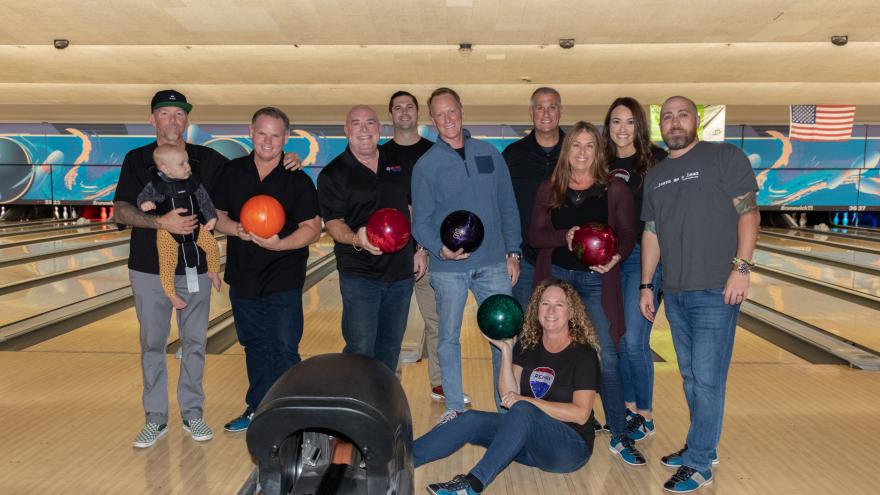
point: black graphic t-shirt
(555, 377)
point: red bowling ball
(388, 229)
(594, 244)
(262, 215)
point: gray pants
(154, 314)
(428, 340)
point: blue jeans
(522, 291)
(451, 291)
(703, 328)
(374, 316)
(526, 435)
(269, 328)
(636, 359)
(589, 285)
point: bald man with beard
(376, 287)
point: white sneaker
(198, 429)
(149, 434)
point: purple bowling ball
(462, 229)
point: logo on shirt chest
(540, 381)
(393, 168)
(695, 175)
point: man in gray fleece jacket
(462, 173)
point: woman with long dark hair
(582, 191)
(548, 380)
(630, 154)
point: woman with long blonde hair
(582, 191)
(548, 381)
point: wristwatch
(743, 266)
(646, 286)
(515, 255)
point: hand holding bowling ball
(500, 318)
(388, 229)
(262, 215)
(461, 233)
(594, 244)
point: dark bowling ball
(500, 317)
(388, 229)
(594, 244)
(462, 229)
(230, 148)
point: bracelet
(515, 255)
(355, 246)
(646, 286)
(740, 261)
(742, 266)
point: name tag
(192, 279)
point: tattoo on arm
(746, 203)
(651, 227)
(128, 214)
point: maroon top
(543, 236)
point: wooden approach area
(70, 409)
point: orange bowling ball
(262, 215)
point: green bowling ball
(500, 317)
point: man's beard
(680, 141)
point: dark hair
(402, 93)
(273, 112)
(544, 90)
(443, 91)
(644, 157)
(562, 173)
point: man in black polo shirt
(266, 275)
(170, 117)
(376, 288)
(531, 160)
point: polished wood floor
(69, 410)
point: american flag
(821, 122)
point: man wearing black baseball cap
(170, 117)
(170, 98)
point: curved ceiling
(315, 58)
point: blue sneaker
(457, 486)
(624, 447)
(240, 423)
(688, 479)
(673, 460)
(639, 428)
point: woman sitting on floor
(548, 380)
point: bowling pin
(855, 220)
(845, 219)
(57, 215)
(836, 219)
(103, 214)
(65, 214)
(73, 212)
(2, 211)
(111, 212)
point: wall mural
(58, 163)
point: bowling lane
(95, 241)
(832, 253)
(55, 234)
(62, 263)
(818, 236)
(15, 227)
(846, 319)
(118, 333)
(816, 270)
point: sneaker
(149, 434)
(687, 479)
(437, 394)
(673, 460)
(448, 416)
(640, 428)
(624, 447)
(198, 429)
(457, 486)
(240, 423)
